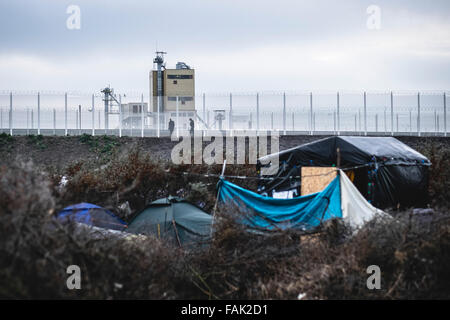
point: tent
(387, 172)
(173, 219)
(92, 215)
(340, 199)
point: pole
(39, 113)
(204, 109)
(334, 122)
(178, 117)
(158, 132)
(28, 121)
(311, 112)
(365, 114)
(257, 111)
(10, 113)
(79, 117)
(120, 115)
(338, 114)
(293, 121)
(142, 115)
(418, 114)
(271, 120)
(284, 113)
(65, 114)
(392, 114)
(376, 122)
(231, 114)
(397, 122)
(410, 122)
(445, 114)
(93, 115)
(54, 121)
(359, 121)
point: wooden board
(315, 179)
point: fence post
(293, 122)
(356, 123)
(79, 118)
(365, 114)
(10, 113)
(334, 123)
(230, 126)
(120, 115)
(257, 111)
(65, 114)
(385, 122)
(397, 122)
(28, 121)
(376, 122)
(93, 115)
(311, 113)
(142, 115)
(204, 109)
(418, 114)
(178, 118)
(284, 113)
(39, 113)
(410, 122)
(392, 114)
(359, 121)
(338, 114)
(54, 121)
(158, 121)
(445, 114)
(271, 120)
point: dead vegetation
(412, 250)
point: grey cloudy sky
(234, 45)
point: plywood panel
(315, 179)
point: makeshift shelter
(173, 219)
(340, 199)
(387, 172)
(92, 215)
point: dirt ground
(59, 152)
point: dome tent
(93, 215)
(173, 219)
(388, 173)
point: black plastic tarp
(391, 173)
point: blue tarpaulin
(268, 213)
(93, 215)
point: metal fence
(360, 113)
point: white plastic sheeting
(355, 209)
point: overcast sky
(234, 45)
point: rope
(214, 175)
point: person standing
(171, 126)
(191, 126)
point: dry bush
(413, 251)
